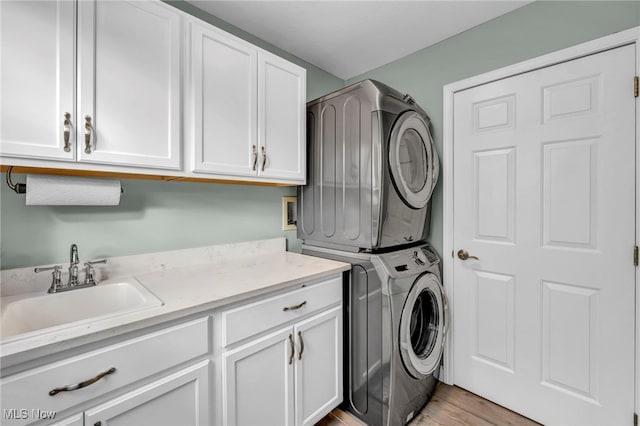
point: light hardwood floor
(449, 406)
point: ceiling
(348, 38)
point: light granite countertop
(186, 281)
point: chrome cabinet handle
(294, 307)
(301, 345)
(82, 384)
(464, 255)
(264, 158)
(255, 158)
(67, 131)
(292, 347)
(87, 134)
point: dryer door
(413, 160)
(423, 326)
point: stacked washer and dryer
(371, 173)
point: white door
(258, 381)
(129, 81)
(318, 368)
(544, 181)
(223, 93)
(179, 399)
(281, 118)
(37, 79)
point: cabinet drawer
(253, 318)
(133, 360)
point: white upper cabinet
(37, 79)
(223, 92)
(118, 86)
(247, 109)
(129, 82)
(128, 76)
(281, 118)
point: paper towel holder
(18, 188)
(21, 188)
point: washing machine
(371, 170)
(395, 327)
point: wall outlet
(289, 213)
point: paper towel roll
(50, 190)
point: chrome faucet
(73, 266)
(74, 260)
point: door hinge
(635, 255)
(635, 86)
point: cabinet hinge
(635, 255)
(635, 86)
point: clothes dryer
(372, 167)
(395, 327)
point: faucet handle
(55, 281)
(54, 268)
(89, 271)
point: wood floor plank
(440, 412)
(449, 406)
(346, 418)
(485, 409)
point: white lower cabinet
(77, 420)
(318, 366)
(258, 382)
(290, 376)
(114, 373)
(275, 359)
(178, 399)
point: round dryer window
(423, 325)
(413, 160)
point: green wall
(158, 216)
(533, 30)
(153, 216)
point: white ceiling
(348, 38)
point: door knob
(464, 255)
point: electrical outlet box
(289, 213)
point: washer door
(413, 160)
(423, 325)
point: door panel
(37, 78)
(544, 196)
(318, 369)
(281, 118)
(129, 80)
(224, 94)
(258, 382)
(179, 399)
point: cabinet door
(178, 399)
(258, 381)
(281, 118)
(129, 79)
(223, 93)
(318, 368)
(37, 79)
(76, 420)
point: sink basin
(35, 313)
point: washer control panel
(411, 261)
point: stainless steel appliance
(395, 330)
(372, 168)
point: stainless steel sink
(30, 314)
